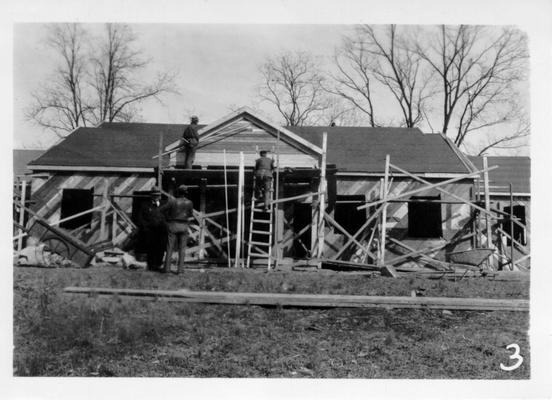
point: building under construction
(344, 196)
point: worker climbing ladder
(260, 228)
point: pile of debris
(37, 254)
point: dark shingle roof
(364, 149)
(21, 157)
(356, 149)
(514, 170)
(112, 145)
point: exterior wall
(47, 194)
(455, 217)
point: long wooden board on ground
(312, 300)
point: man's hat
(194, 118)
(182, 189)
(155, 191)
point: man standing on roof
(178, 212)
(264, 167)
(190, 140)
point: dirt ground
(57, 334)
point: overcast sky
(217, 67)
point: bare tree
(353, 78)
(94, 83)
(115, 84)
(478, 71)
(60, 105)
(399, 68)
(293, 83)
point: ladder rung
(263, 255)
(261, 210)
(260, 243)
(260, 232)
(264, 221)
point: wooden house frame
(366, 215)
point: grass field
(56, 334)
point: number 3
(514, 356)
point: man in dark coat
(154, 231)
(264, 167)
(178, 212)
(190, 140)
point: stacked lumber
(310, 300)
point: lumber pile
(310, 300)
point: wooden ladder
(260, 228)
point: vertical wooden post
(114, 227)
(22, 214)
(322, 197)
(103, 232)
(239, 211)
(384, 211)
(160, 161)
(202, 227)
(227, 216)
(278, 214)
(314, 222)
(488, 231)
(378, 254)
(511, 229)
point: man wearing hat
(178, 212)
(264, 167)
(154, 230)
(190, 140)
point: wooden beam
(344, 231)
(413, 253)
(384, 212)
(519, 246)
(362, 228)
(322, 198)
(98, 208)
(22, 215)
(444, 191)
(202, 205)
(431, 261)
(311, 300)
(240, 211)
(487, 205)
(105, 201)
(226, 210)
(430, 186)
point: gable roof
(351, 149)
(363, 149)
(21, 157)
(514, 170)
(118, 145)
(217, 129)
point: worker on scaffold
(190, 140)
(264, 168)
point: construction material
(471, 257)
(381, 258)
(322, 199)
(261, 227)
(240, 211)
(61, 242)
(311, 300)
(430, 186)
(226, 209)
(344, 231)
(22, 215)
